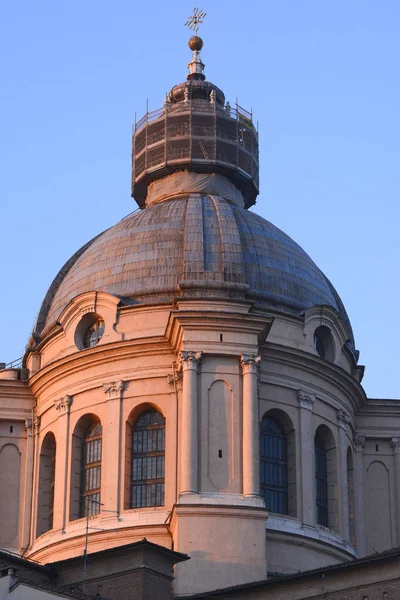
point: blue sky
(322, 80)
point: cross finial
(195, 19)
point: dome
(192, 246)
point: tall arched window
(321, 480)
(47, 471)
(91, 470)
(148, 460)
(273, 464)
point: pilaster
(188, 482)
(61, 489)
(396, 452)
(343, 420)
(111, 492)
(26, 497)
(359, 493)
(307, 476)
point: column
(343, 419)
(112, 454)
(61, 507)
(307, 475)
(188, 484)
(359, 492)
(251, 425)
(396, 452)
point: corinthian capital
(306, 399)
(28, 426)
(63, 404)
(250, 363)
(189, 360)
(396, 445)
(358, 442)
(113, 389)
(343, 418)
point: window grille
(148, 460)
(91, 470)
(321, 481)
(273, 464)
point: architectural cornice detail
(189, 360)
(113, 389)
(63, 404)
(358, 442)
(343, 418)
(250, 363)
(306, 399)
(396, 445)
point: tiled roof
(190, 243)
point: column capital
(189, 360)
(358, 442)
(250, 363)
(306, 399)
(113, 389)
(63, 405)
(28, 426)
(36, 425)
(343, 418)
(396, 445)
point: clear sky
(322, 78)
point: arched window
(47, 471)
(148, 460)
(91, 470)
(321, 481)
(273, 464)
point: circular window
(323, 343)
(93, 334)
(89, 331)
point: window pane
(148, 460)
(273, 465)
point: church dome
(193, 246)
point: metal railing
(14, 364)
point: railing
(235, 112)
(14, 364)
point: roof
(195, 245)
(366, 560)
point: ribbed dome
(193, 246)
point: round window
(93, 334)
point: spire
(196, 65)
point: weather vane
(195, 20)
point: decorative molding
(396, 445)
(36, 425)
(28, 426)
(175, 380)
(343, 418)
(189, 360)
(306, 399)
(358, 443)
(250, 363)
(63, 404)
(113, 389)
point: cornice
(332, 373)
(258, 324)
(83, 360)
